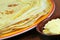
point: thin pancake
(17, 14)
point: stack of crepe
(16, 14)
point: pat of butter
(52, 27)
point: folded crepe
(16, 14)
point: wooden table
(33, 34)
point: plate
(23, 30)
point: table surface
(33, 34)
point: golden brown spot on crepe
(1, 12)
(44, 10)
(9, 11)
(12, 5)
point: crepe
(16, 14)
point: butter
(52, 27)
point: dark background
(33, 34)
